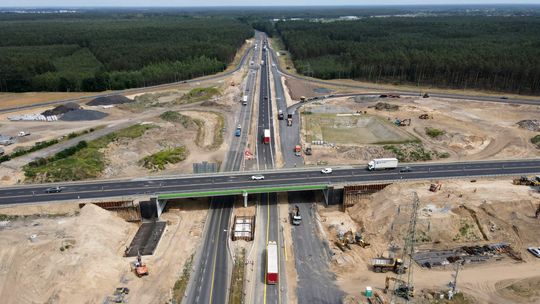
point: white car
(326, 171)
(257, 177)
(535, 251)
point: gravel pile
(80, 115)
(109, 100)
(386, 106)
(62, 109)
(531, 125)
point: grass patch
(83, 161)
(157, 161)
(237, 280)
(186, 121)
(536, 141)
(218, 132)
(181, 284)
(20, 151)
(198, 94)
(434, 133)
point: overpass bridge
(165, 188)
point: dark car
(405, 169)
(53, 190)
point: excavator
(402, 122)
(526, 181)
(140, 268)
(402, 290)
(349, 238)
(435, 187)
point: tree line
(489, 53)
(113, 50)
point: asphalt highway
(210, 280)
(273, 178)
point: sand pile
(74, 260)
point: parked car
(405, 169)
(535, 251)
(53, 190)
(326, 171)
(257, 177)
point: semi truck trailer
(272, 274)
(383, 164)
(266, 136)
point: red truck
(266, 138)
(272, 275)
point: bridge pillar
(160, 206)
(245, 195)
(332, 195)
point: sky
(191, 3)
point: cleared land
(454, 130)
(77, 256)
(352, 129)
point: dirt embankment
(71, 260)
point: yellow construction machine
(402, 290)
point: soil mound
(81, 115)
(386, 106)
(531, 125)
(109, 100)
(62, 109)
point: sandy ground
(504, 212)
(39, 272)
(90, 270)
(473, 130)
(10, 100)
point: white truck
(382, 164)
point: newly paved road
(316, 283)
(285, 177)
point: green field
(353, 129)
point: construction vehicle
(394, 96)
(140, 268)
(307, 151)
(302, 98)
(435, 187)
(289, 119)
(425, 116)
(298, 150)
(383, 164)
(425, 95)
(23, 133)
(526, 181)
(402, 122)
(296, 218)
(280, 115)
(344, 241)
(401, 290)
(382, 264)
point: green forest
(84, 52)
(480, 52)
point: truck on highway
(298, 150)
(266, 136)
(280, 115)
(296, 218)
(388, 264)
(289, 119)
(244, 99)
(272, 274)
(383, 164)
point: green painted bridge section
(240, 191)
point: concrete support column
(245, 195)
(160, 206)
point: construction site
(408, 241)
(357, 129)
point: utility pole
(408, 251)
(455, 275)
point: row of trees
(493, 53)
(94, 53)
